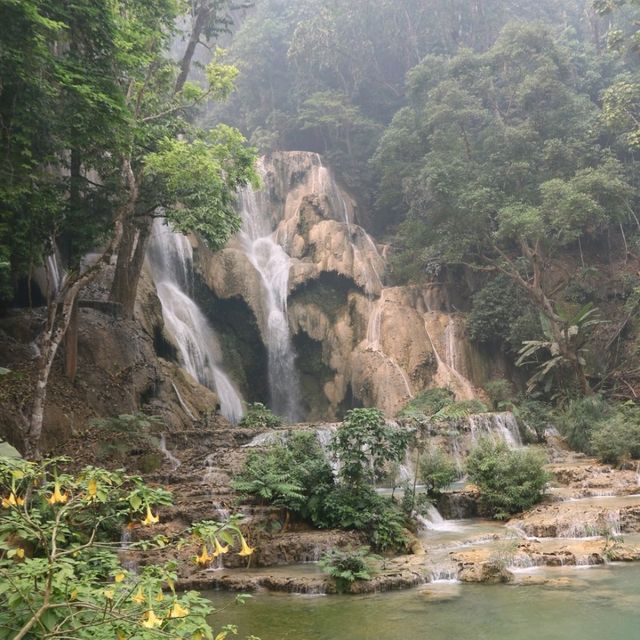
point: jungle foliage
(296, 476)
(510, 480)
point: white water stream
(272, 264)
(198, 349)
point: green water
(579, 604)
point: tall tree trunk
(59, 313)
(71, 345)
(129, 265)
(201, 17)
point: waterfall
(171, 260)
(497, 426)
(434, 521)
(272, 264)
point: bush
(509, 480)
(577, 421)
(364, 444)
(294, 476)
(500, 393)
(362, 509)
(269, 481)
(345, 567)
(617, 438)
(428, 403)
(437, 471)
(460, 410)
(258, 416)
(500, 314)
(535, 417)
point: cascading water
(171, 260)
(374, 336)
(497, 426)
(272, 264)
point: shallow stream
(594, 603)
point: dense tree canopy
(502, 163)
(98, 138)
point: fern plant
(264, 480)
(346, 567)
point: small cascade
(268, 439)
(171, 261)
(125, 556)
(272, 264)
(56, 273)
(501, 426)
(434, 521)
(325, 436)
(447, 374)
(443, 573)
(171, 459)
(374, 338)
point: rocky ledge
(398, 573)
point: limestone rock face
(378, 345)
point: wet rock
(456, 505)
(489, 572)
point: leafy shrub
(364, 443)
(617, 438)
(428, 402)
(534, 417)
(345, 567)
(500, 393)
(580, 417)
(294, 476)
(437, 470)
(264, 478)
(59, 574)
(362, 509)
(509, 480)
(460, 409)
(258, 416)
(500, 314)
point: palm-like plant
(558, 351)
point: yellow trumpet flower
(159, 596)
(219, 548)
(150, 518)
(108, 594)
(19, 552)
(204, 558)
(92, 490)
(57, 497)
(151, 620)
(119, 577)
(12, 501)
(139, 597)
(246, 549)
(178, 611)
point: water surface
(600, 603)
